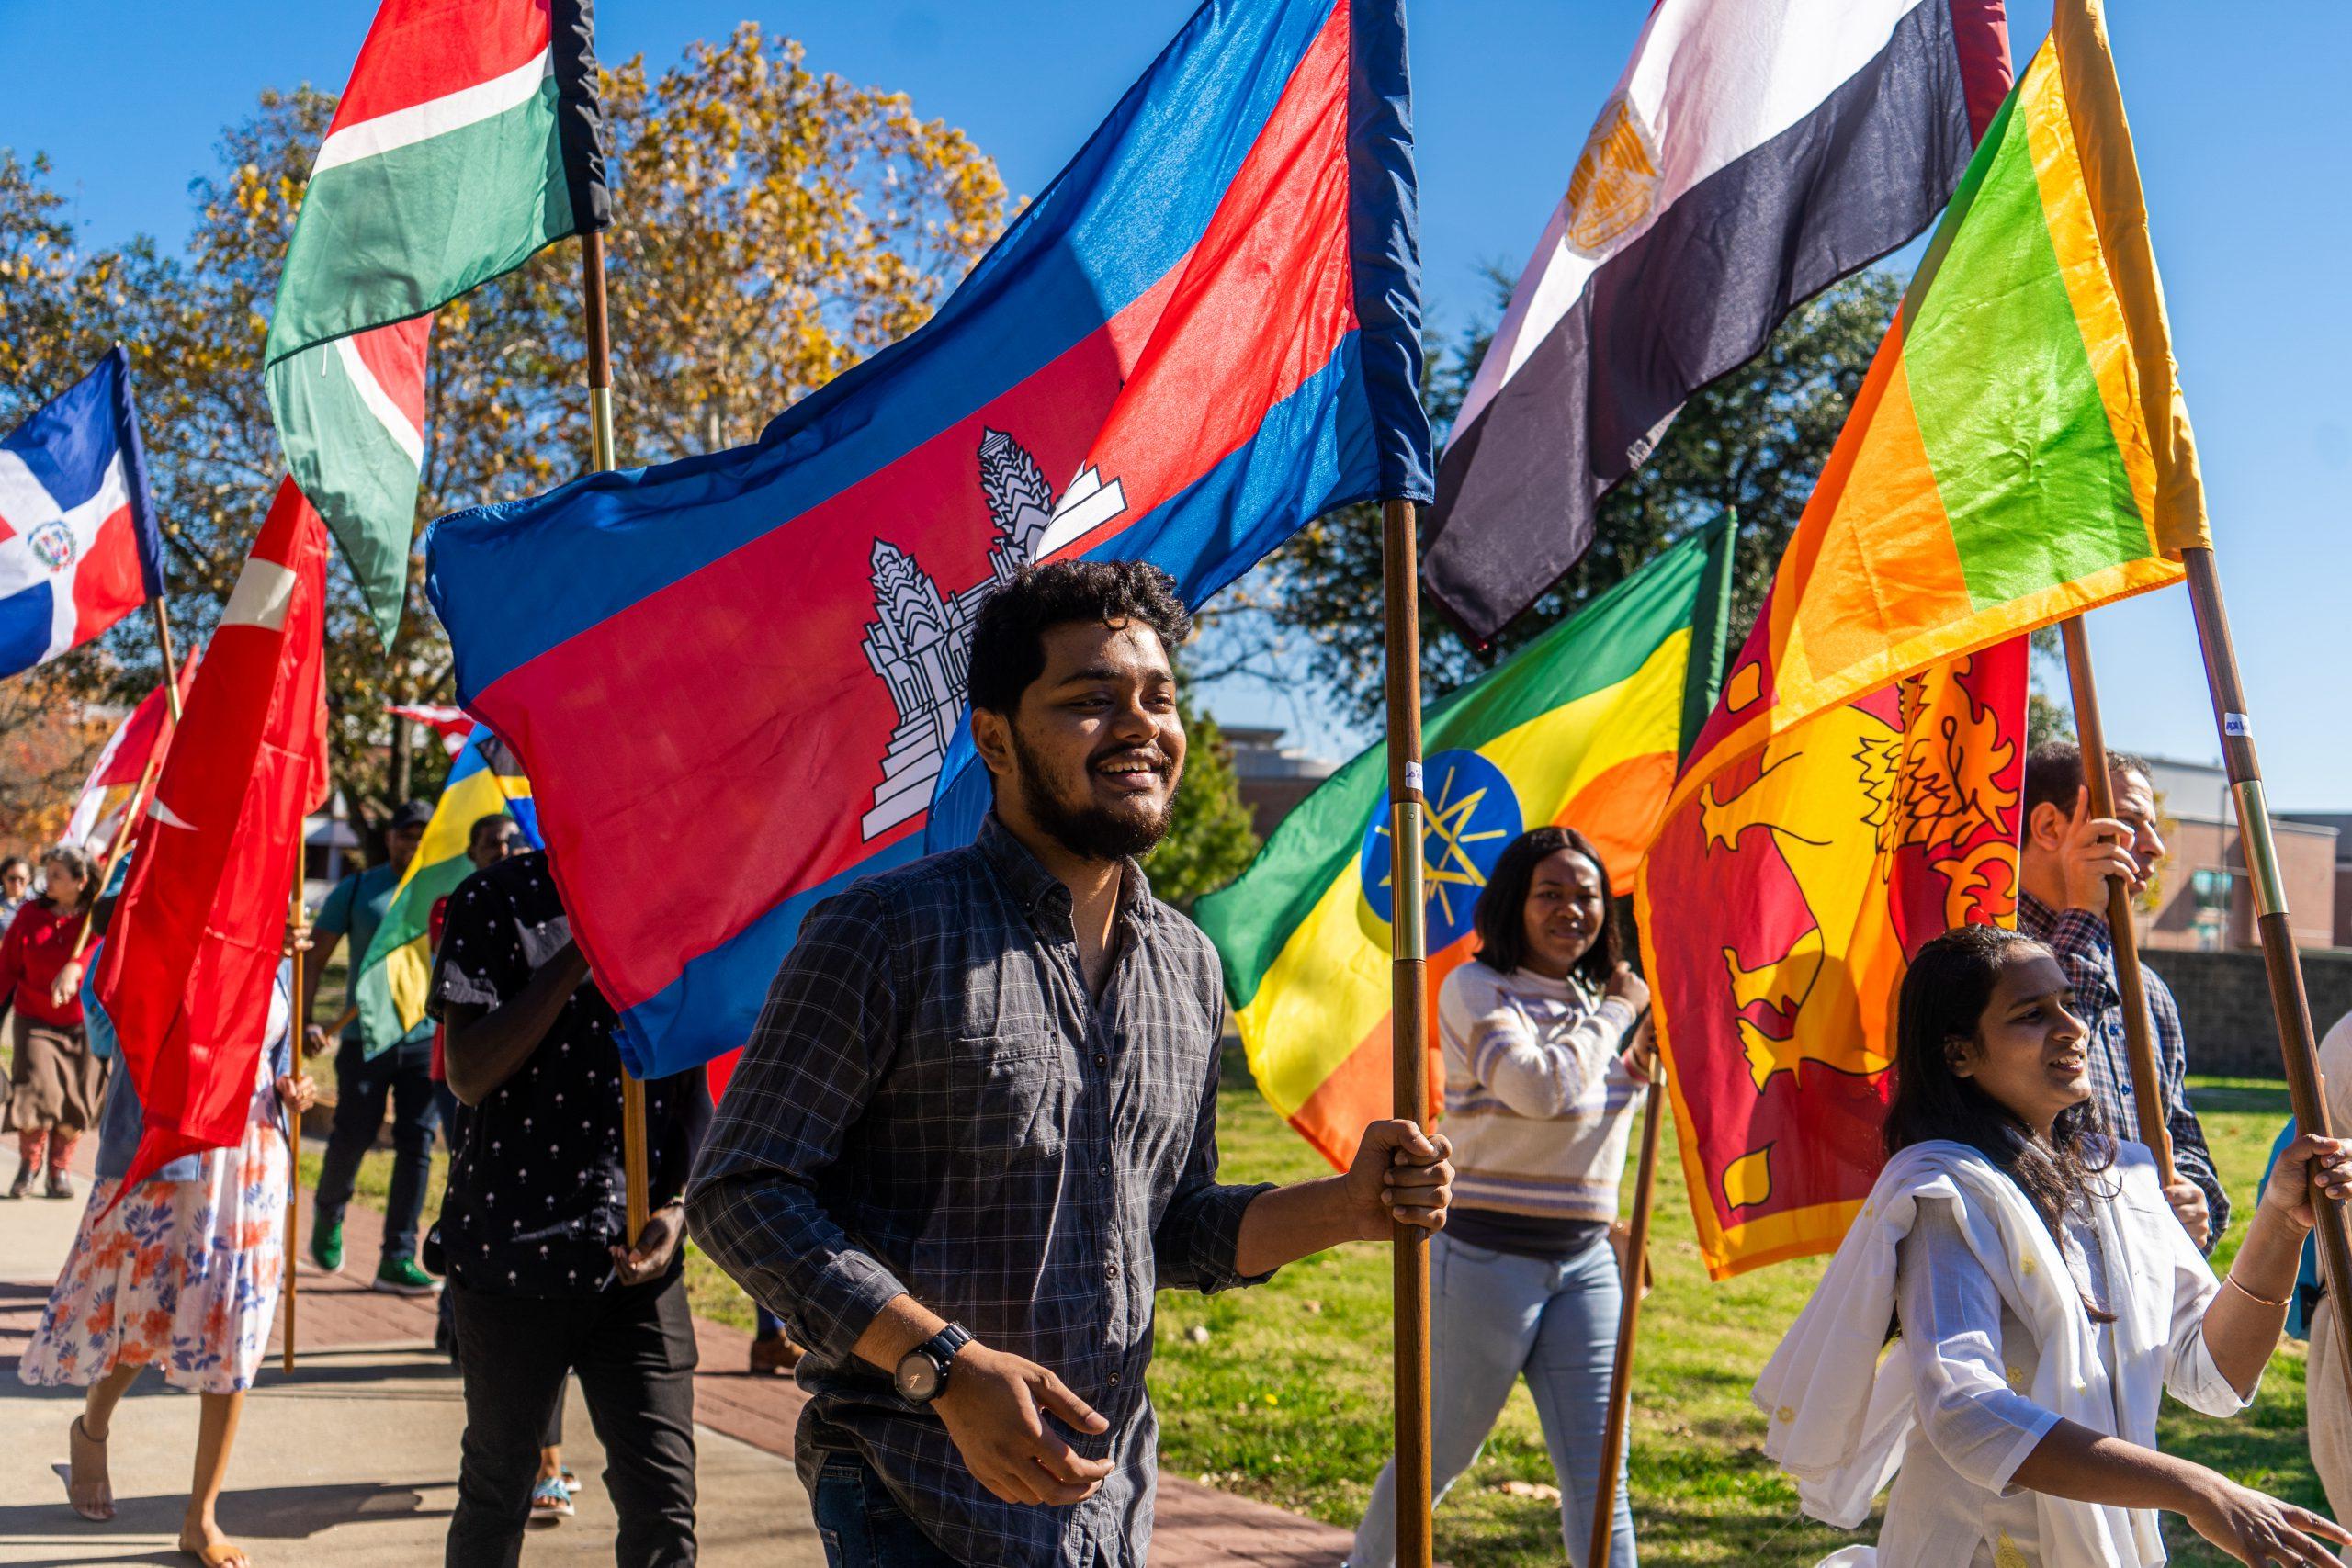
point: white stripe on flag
(167, 817)
(25, 501)
(436, 116)
(1710, 81)
(388, 414)
(264, 591)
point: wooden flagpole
(1408, 1035)
(2139, 1035)
(171, 660)
(2287, 998)
(600, 434)
(294, 1117)
(1628, 1317)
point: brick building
(1274, 777)
(2205, 903)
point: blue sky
(2242, 130)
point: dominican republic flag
(195, 943)
(1204, 333)
(1754, 152)
(79, 549)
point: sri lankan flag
(485, 779)
(465, 141)
(1583, 727)
(2018, 453)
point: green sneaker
(402, 1276)
(326, 1245)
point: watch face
(918, 1376)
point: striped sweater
(1538, 1099)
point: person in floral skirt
(183, 1273)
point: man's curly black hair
(1008, 642)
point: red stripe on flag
(108, 584)
(394, 356)
(422, 49)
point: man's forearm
(1289, 1223)
(484, 1049)
(901, 1324)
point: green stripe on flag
(352, 468)
(1605, 643)
(403, 233)
(2008, 405)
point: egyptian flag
(187, 973)
(1752, 155)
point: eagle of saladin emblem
(1615, 182)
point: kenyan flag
(466, 140)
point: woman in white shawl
(2044, 1300)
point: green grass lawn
(1288, 1398)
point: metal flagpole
(600, 435)
(2287, 998)
(2147, 1075)
(1629, 1317)
(1408, 1035)
(171, 660)
(294, 1117)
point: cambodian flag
(733, 680)
(79, 549)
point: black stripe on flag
(1693, 298)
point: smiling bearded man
(975, 1128)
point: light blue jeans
(1494, 1318)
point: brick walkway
(1197, 1527)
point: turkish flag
(196, 941)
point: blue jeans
(402, 1077)
(863, 1526)
(766, 1324)
(1494, 1318)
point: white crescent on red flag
(194, 943)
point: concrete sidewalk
(354, 1460)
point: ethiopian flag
(465, 141)
(1582, 726)
(484, 780)
(2019, 451)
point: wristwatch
(923, 1371)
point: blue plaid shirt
(934, 1104)
(2087, 952)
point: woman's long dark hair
(1500, 916)
(78, 862)
(1943, 1001)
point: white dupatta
(1837, 1415)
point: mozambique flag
(1583, 727)
(2018, 453)
(1779, 908)
(465, 141)
(484, 780)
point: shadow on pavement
(263, 1513)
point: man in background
(400, 1077)
(2068, 856)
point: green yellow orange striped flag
(465, 141)
(485, 779)
(2019, 451)
(1583, 727)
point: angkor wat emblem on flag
(920, 639)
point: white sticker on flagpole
(2237, 724)
(1413, 777)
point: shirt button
(1100, 1060)
(1109, 1271)
(1103, 1169)
(1114, 1380)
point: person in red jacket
(55, 1084)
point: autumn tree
(772, 226)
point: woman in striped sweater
(1545, 1058)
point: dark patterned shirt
(2086, 950)
(536, 1198)
(934, 1104)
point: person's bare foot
(88, 1486)
(201, 1538)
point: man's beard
(1087, 831)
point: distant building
(2205, 902)
(1274, 777)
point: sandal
(95, 1501)
(228, 1555)
(551, 1500)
